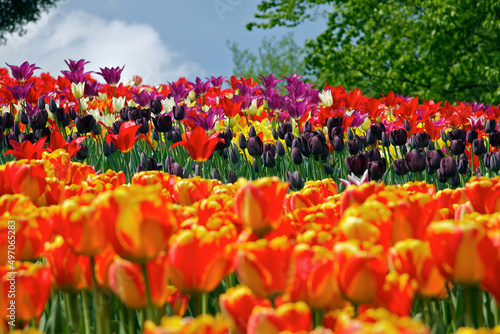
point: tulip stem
(355, 311)
(469, 308)
(86, 317)
(204, 303)
(150, 314)
(495, 312)
(318, 318)
(452, 309)
(69, 310)
(127, 176)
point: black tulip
(471, 136)
(268, 159)
(231, 177)
(153, 165)
(62, 117)
(296, 156)
(106, 149)
(242, 141)
(338, 144)
(354, 146)
(398, 137)
(457, 134)
(455, 181)
(112, 147)
(441, 177)
(72, 113)
(85, 124)
(478, 147)
(491, 124)
(448, 166)
(252, 132)
(169, 135)
(233, 155)
(176, 169)
(378, 129)
(216, 174)
(256, 166)
(400, 167)
(41, 102)
(431, 146)
(336, 132)
(16, 129)
(7, 120)
(433, 158)
(27, 137)
(274, 133)
(350, 134)
(316, 146)
(373, 155)
(333, 122)
(457, 146)
(415, 161)
(385, 140)
(155, 134)
(421, 139)
(255, 146)
(289, 138)
(176, 137)
(487, 158)
(155, 106)
(38, 120)
(356, 164)
(371, 137)
(494, 138)
(144, 160)
(462, 166)
(82, 153)
(45, 132)
(10, 136)
(140, 168)
(328, 169)
(495, 161)
(23, 117)
(376, 169)
(179, 112)
(407, 126)
(307, 127)
(162, 123)
(295, 180)
(52, 105)
(280, 149)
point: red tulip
(199, 147)
(126, 137)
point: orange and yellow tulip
(293, 317)
(484, 194)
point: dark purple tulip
(255, 146)
(7, 120)
(487, 158)
(400, 167)
(316, 146)
(280, 149)
(457, 146)
(45, 132)
(41, 102)
(356, 164)
(376, 169)
(333, 122)
(85, 124)
(233, 155)
(354, 146)
(283, 129)
(15, 128)
(111, 75)
(433, 158)
(350, 134)
(407, 126)
(72, 113)
(336, 132)
(421, 139)
(216, 174)
(455, 181)
(144, 125)
(62, 117)
(268, 159)
(231, 177)
(462, 166)
(106, 149)
(373, 155)
(200, 87)
(494, 138)
(91, 88)
(471, 136)
(307, 127)
(490, 125)
(448, 166)
(296, 156)
(255, 165)
(176, 136)
(24, 72)
(328, 169)
(162, 123)
(289, 139)
(176, 169)
(23, 117)
(27, 137)
(371, 138)
(82, 153)
(116, 126)
(415, 161)
(295, 180)
(378, 129)
(495, 161)
(39, 120)
(242, 141)
(338, 144)
(155, 106)
(252, 132)
(478, 147)
(457, 134)
(398, 137)
(385, 140)
(10, 136)
(441, 177)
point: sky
(159, 40)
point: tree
(279, 57)
(15, 14)
(437, 49)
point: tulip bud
(370, 137)
(421, 139)
(289, 138)
(24, 117)
(356, 164)
(338, 144)
(415, 161)
(179, 112)
(41, 102)
(72, 113)
(354, 146)
(495, 161)
(385, 140)
(478, 147)
(307, 127)
(233, 155)
(376, 169)
(441, 177)
(280, 149)
(52, 105)
(316, 146)
(350, 134)
(457, 146)
(251, 132)
(448, 167)
(462, 166)
(494, 138)
(373, 155)
(197, 171)
(433, 158)
(7, 120)
(471, 136)
(398, 137)
(431, 146)
(85, 124)
(155, 106)
(296, 156)
(407, 126)
(444, 136)
(112, 147)
(274, 133)
(242, 141)
(491, 124)
(216, 174)
(255, 165)
(15, 128)
(106, 149)
(176, 137)
(82, 153)
(144, 160)
(231, 178)
(27, 137)
(176, 169)
(455, 180)
(400, 167)
(268, 159)
(255, 146)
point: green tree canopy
(437, 49)
(277, 56)
(15, 14)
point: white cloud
(76, 35)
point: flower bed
(189, 208)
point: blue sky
(160, 40)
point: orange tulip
(448, 198)
(126, 137)
(484, 194)
(101, 266)
(187, 192)
(199, 259)
(413, 257)
(361, 271)
(177, 300)
(293, 317)
(31, 284)
(199, 147)
(20, 238)
(138, 222)
(259, 203)
(313, 280)
(27, 179)
(357, 195)
(70, 272)
(264, 266)
(15, 204)
(127, 281)
(80, 227)
(462, 251)
(203, 324)
(237, 305)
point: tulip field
(227, 205)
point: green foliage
(15, 14)
(437, 49)
(279, 57)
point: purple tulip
(143, 98)
(217, 81)
(20, 92)
(24, 72)
(76, 72)
(111, 75)
(200, 87)
(179, 92)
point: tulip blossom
(484, 194)
(27, 150)
(293, 317)
(24, 72)
(199, 146)
(111, 75)
(127, 135)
